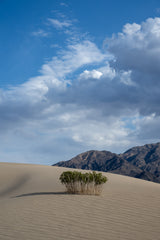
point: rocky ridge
(140, 162)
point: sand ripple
(33, 206)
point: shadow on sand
(17, 184)
(39, 193)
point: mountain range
(140, 162)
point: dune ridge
(34, 205)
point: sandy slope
(33, 205)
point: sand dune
(34, 205)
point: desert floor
(34, 205)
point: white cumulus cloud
(56, 115)
(90, 74)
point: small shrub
(83, 183)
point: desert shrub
(83, 183)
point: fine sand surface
(34, 205)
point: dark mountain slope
(101, 161)
(146, 157)
(132, 163)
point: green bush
(83, 183)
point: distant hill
(140, 162)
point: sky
(77, 76)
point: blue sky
(19, 19)
(77, 75)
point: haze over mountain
(140, 162)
